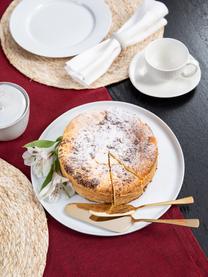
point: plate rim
(106, 12)
(131, 72)
(179, 148)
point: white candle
(12, 105)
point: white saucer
(149, 85)
(59, 28)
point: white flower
(53, 186)
(54, 197)
(40, 159)
(69, 189)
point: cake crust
(83, 154)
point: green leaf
(57, 165)
(48, 178)
(59, 139)
(55, 152)
(40, 143)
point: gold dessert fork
(102, 209)
(106, 210)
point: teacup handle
(194, 64)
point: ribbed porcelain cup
(168, 58)
(14, 111)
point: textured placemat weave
(23, 226)
(51, 72)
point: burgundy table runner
(157, 250)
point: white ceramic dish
(166, 183)
(59, 28)
(14, 110)
(150, 85)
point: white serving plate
(166, 183)
(59, 28)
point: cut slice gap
(122, 174)
(124, 166)
(111, 179)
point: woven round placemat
(51, 72)
(23, 226)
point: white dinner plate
(59, 28)
(149, 85)
(166, 183)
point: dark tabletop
(186, 115)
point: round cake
(109, 156)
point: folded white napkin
(88, 66)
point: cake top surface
(89, 138)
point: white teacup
(167, 58)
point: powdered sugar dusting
(114, 130)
